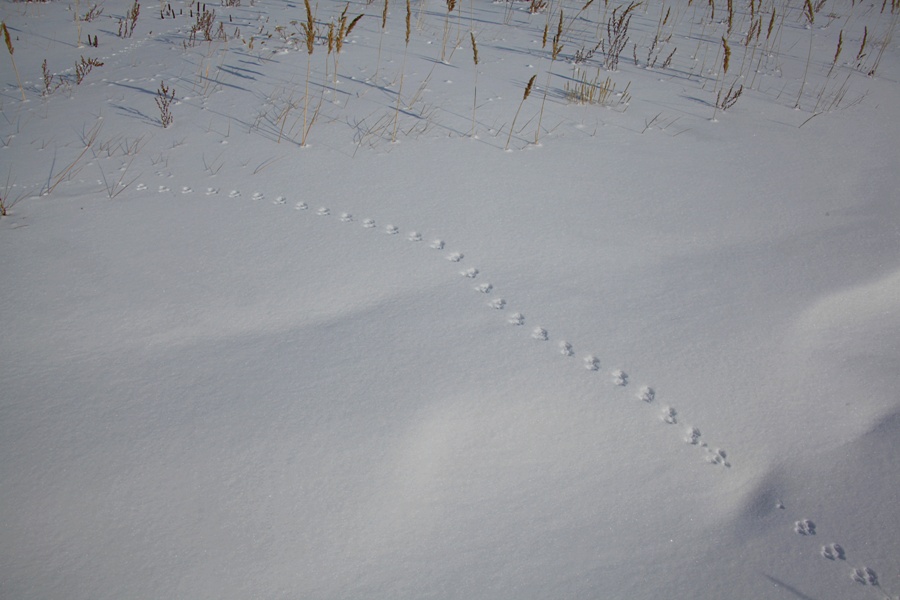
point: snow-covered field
(369, 324)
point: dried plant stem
(524, 98)
(475, 94)
(556, 49)
(9, 47)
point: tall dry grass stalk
(384, 16)
(343, 31)
(9, 46)
(309, 33)
(402, 71)
(554, 54)
(475, 94)
(524, 98)
(451, 4)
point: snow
(651, 355)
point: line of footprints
(834, 552)
(667, 414)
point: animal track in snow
(693, 436)
(805, 527)
(279, 200)
(187, 190)
(211, 191)
(719, 457)
(833, 552)
(592, 363)
(669, 415)
(141, 187)
(258, 196)
(163, 189)
(865, 576)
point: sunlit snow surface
(652, 355)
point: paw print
(805, 527)
(864, 576)
(833, 552)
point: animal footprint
(163, 189)
(346, 217)
(211, 191)
(391, 230)
(301, 206)
(693, 436)
(414, 236)
(258, 196)
(833, 552)
(720, 457)
(516, 319)
(620, 378)
(455, 256)
(323, 212)
(565, 348)
(438, 244)
(497, 303)
(470, 273)
(647, 394)
(484, 288)
(539, 333)
(805, 527)
(369, 223)
(669, 415)
(141, 187)
(279, 200)
(865, 576)
(234, 194)
(187, 190)
(591, 362)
